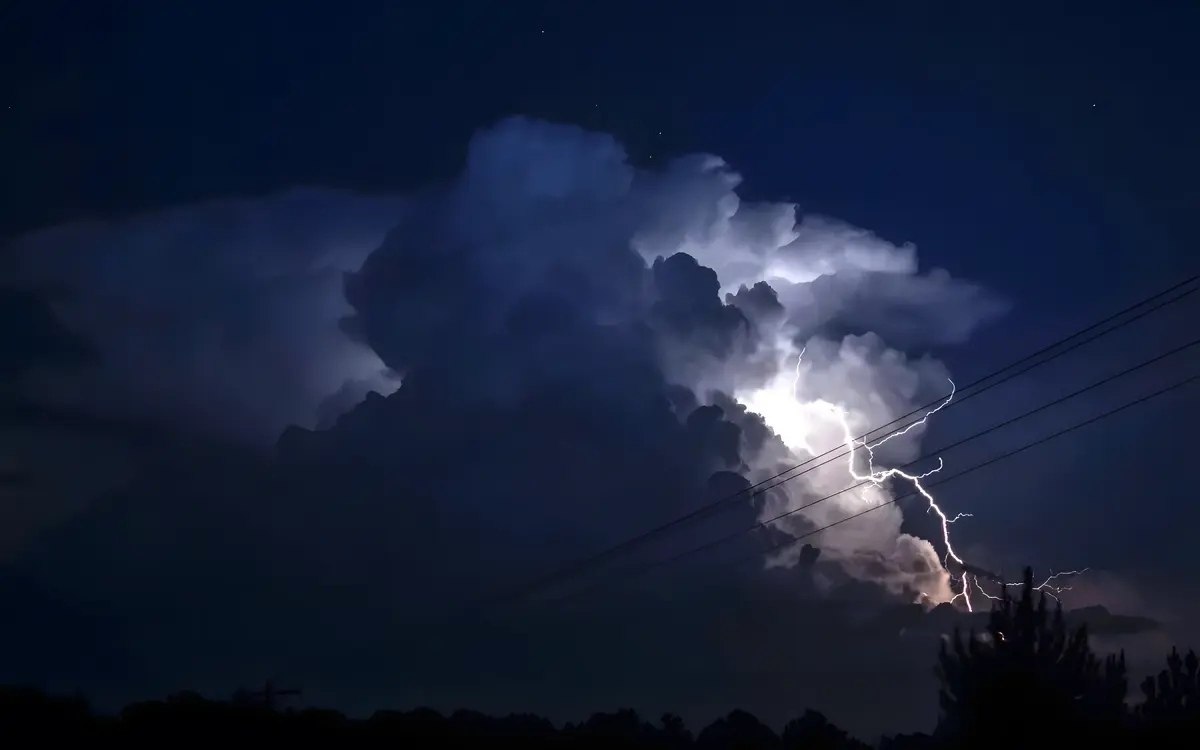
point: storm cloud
(484, 380)
(222, 316)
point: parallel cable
(583, 564)
(656, 564)
(1049, 404)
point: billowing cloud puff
(527, 275)
(828, 274)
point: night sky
(223, 219)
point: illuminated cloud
(221, 316)
(586, 350)
(551, 221)
(552, 263)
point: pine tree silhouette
(1175, 695)
(1028, 680)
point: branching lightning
(981, 590)
(1051, 589)
(878, 477)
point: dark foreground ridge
(1027, 681)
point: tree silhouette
(623, 728)
(674, 733)
(737, 731)
(1171, 709)
(812, 731)
(1176, 692)
(1027, 679)
(31, 713)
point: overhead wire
(1025, 363)
(644, 568)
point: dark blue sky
(1063, 134)
(1046, 150)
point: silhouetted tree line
(1027, 681)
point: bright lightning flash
(790, 418)
(1053, 589)
(879, 476)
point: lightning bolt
(981, 590)
(964, 593)
(795, 397)
(879, 476)
(1050, 589)
(796, 380)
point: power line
(1028, 360)
(1010, 420)
(656, 564)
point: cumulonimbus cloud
(587, 349)
(551, 263)
(555, 218)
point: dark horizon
(1027, 679)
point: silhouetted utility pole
(267, 696)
